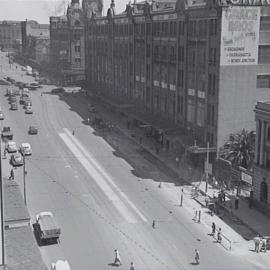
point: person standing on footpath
(131, 266)
(219, 238)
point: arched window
(264, 191)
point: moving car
(27, 103)
(46, 227)
(28, 110)
(25, 149)
(61, 265)
(58, 90)
(33, 130)
(14, 106)
(11, 147)
(34, 86)
(16, 160)
(2, 116)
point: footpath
(248, 222)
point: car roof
(25, 144)
(11, 142)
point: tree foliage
(239, 149)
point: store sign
(240, 36)
(246, 178)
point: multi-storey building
(200, 65)
(261, 178)
(10, 36)
(68, 44)
(31, 32)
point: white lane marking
(103, 172)
(99, 179)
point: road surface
(98, 201)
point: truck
(46, 227)
(6, 133)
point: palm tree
(239, 149)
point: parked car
(25, 149)
(58, 90)
(2, 116)
(33, 130)
(60, 265)
(12, 99)
(11, 147)
(16, 160)
(29, 110)
(7, 133)
(14, 106)
(24, 99)
(46, 227)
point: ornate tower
(92, 7)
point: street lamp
(24, 182)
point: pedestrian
(117, 257)
(73, 132)
(197, 256)
(223, 196)
(219, 238)
(131, 266)
(177, 160)
(11, 175)
(257, 243)
(213, 228)
(263, 245)
(153, 224)
(88, 120)
(236, 202)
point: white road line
(105, 174)
(99, 179)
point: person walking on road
(257, 243)
(117, 259)
(131, 266)
(197, 256)
(219, 238)
(73, 133)
(213, 228)
(88, 120)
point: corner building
(191, 69)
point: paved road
(99, 202)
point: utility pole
(3, 263)
(24, 184)
(207, 168)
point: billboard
(239, 35)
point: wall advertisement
(240, 35)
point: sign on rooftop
(240, 36)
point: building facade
(261, 181)
(200, 65)
(68, 44)
(35, 36)
(10, 36)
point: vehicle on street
(25, 90)
(61, 265)
(24, 99)
(33, 130)
(29, 71)
(34, 86)
(58, 90)
(2, 117)
(23, 68)
(29, 110)
(12, 99)
(27, 103)
(46, 227)
(14, 106)
(11, 147)
(9, 79)
(6, 133)
(25, 149)
(16, 160)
